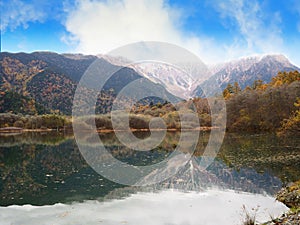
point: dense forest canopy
(264, 107)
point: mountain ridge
(50, 79)
(244, 71)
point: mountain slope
(174, 79)
(50, 79)
(245, 72)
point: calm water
(47, 168)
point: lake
(46, 180)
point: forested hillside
(39, 82)
(45, 82)
(265, 107)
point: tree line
(272, 106)
(47, 121)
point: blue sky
(215, 30)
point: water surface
(44, 169)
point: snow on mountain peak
(243, 70)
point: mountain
(173, 78)
(50, 80)
(46, 78)
(244, 71)
(42, 82)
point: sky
(215, 30)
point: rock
(286, 219)
(290, 196)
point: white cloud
(258, 31)
(101, 26)
(98, 26)
(17, 13)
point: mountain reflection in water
(48, 168)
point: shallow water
(211, 207)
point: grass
(250, 218)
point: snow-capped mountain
(207, 81)
(244, 71)
(174, 79)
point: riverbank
(20, 130)
(8, 130)
(290, 196)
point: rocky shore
(290, 196)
